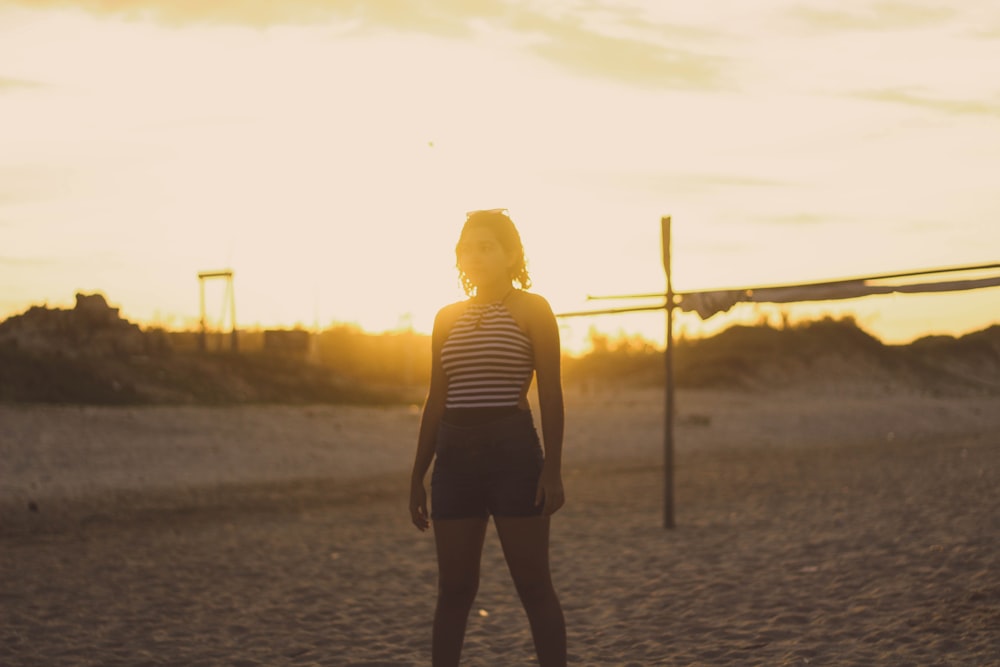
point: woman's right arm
(431, 417)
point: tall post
(202, 336)
(234, 345)
(668, 353)
(230, 295)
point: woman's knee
(458, 589)
(535, 591)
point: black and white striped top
(487, 359)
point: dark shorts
(484, 469)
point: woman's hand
(550, 491)
(418, 506)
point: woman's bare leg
(525, 543)
(459, 548)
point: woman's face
(482, 258)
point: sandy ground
(824, 527)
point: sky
(327, 151)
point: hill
(91, 355)
(838, 353)
(822, 355)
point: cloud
(878, 16)
(956, 107)
(89, 260)
(445, 18)
(913, 226)
(647, 62)
(797, 219)
(440, 16)
(17, 84)
(198, 11)
(987, 33)
(660, 182)
(21, 183)
(28, 261)
(727, 180)
(593, 40)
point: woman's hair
(498, 222)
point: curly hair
(498, 222)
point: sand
(820, 527)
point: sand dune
(831, 528)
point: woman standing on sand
(476, 422)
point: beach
(820, 526)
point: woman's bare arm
(545, 338)
(430, 418)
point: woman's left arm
(545, 339)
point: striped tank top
(487, 359)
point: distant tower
(230, 297)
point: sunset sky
(327, 151)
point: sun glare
(331, 170)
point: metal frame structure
(671, 302)
(229, 297)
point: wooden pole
(668, 431)
(201, 291)
(230, 295)
(233, 343)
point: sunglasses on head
(501, 211)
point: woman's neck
(493, 293)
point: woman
(476, 422)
